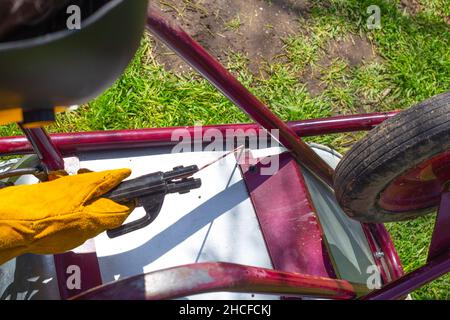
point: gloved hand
(56, 216)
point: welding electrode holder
(149, 192)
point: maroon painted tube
(199, 278)
(374, 248)
(340, 124)
(414, 280)
(384, 240)
(379, 240)
(71, 143)
(43, 146)
(440, 241)
(199, 59)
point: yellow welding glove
(59, 215)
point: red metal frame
(440, 241)
(69, 144)
(220, 276)
(43, 146)
(287, 217)
(374, 248)
(401, 287)
(438, 260)
(213, 277)
(389, 254)
(72, 143)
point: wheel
(398, 171)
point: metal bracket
(440, 241)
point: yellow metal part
(12, 115)
(37, 124)
(8, 116)
(60, 109)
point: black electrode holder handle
(149, 192)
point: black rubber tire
(387, 152)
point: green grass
(414, 64)
(411, 240)
(233, 24)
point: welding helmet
(64, 54)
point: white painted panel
(214, 223)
